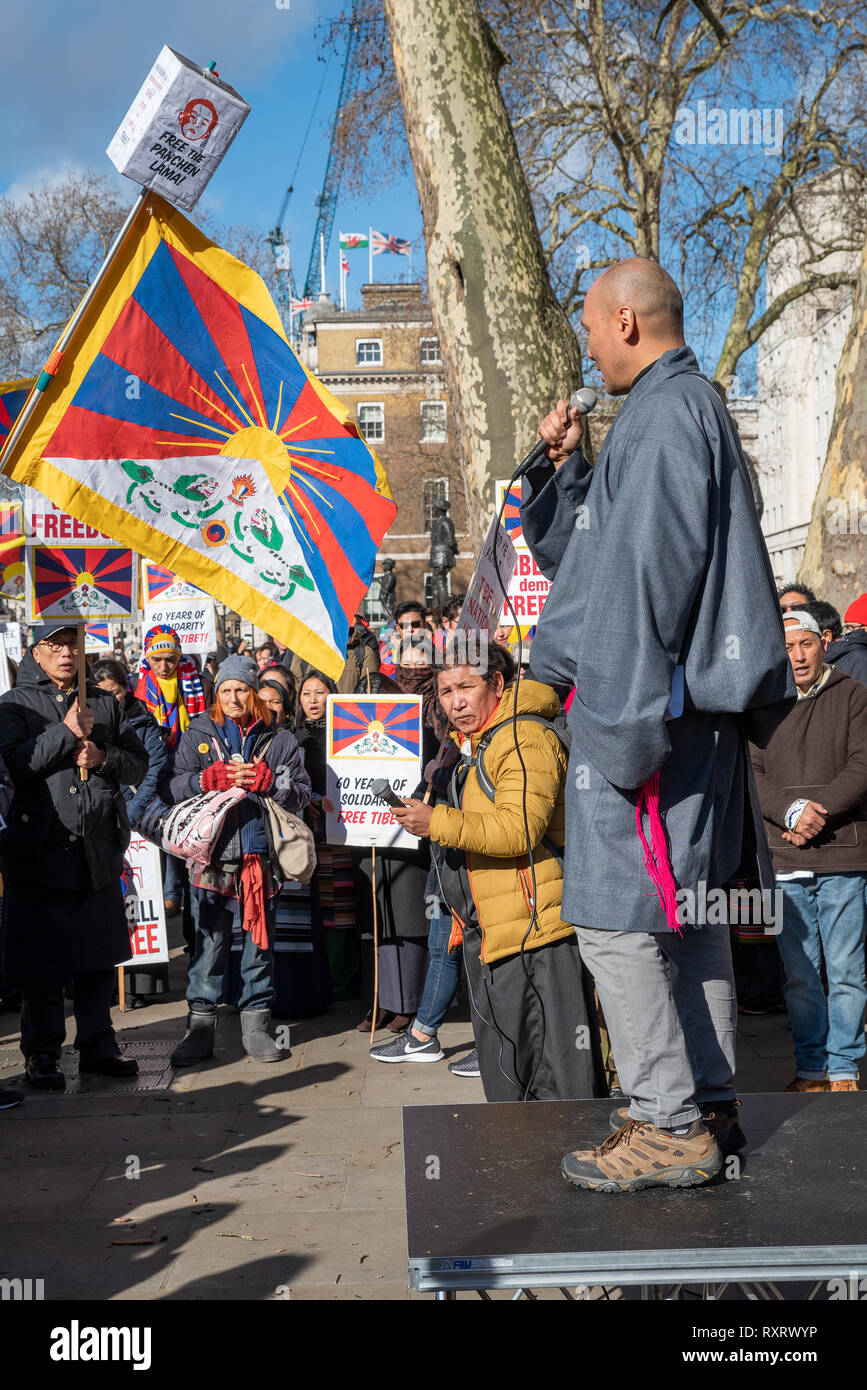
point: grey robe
(657, 561)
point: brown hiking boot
(640, 1155)
(847, 1083)
(803, 1083)
(720, 1117)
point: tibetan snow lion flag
(181, 423)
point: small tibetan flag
(80, 582)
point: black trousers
(537, 1026)
(43, 1023)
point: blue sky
(70, 71)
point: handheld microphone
(383, 791)
(583, 401)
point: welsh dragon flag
(181, 423)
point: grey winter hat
(238, 668)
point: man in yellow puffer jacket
(532, 1003)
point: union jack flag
(390, 243)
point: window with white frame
(371, 421)
(433, 422)
(433, 490)
(429, 352)
(368, 352)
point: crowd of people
(468, 901)
(661, 820)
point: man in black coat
(63, 855)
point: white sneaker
(406, 1048)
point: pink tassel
(656, 860)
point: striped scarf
(191, 693)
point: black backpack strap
(487, 785)
(485, 782)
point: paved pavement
(239, 1181)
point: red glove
(263, 779)
(215, 777)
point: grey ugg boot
(198, 1041)
(256, 1036)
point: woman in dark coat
(236, 745)
(302, 979)
(334, 884)
(110, 676)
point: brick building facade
(383, 362)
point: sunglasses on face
(404, 627)
(70, 646)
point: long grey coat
(657, 561)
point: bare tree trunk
(508, 348)
(834, 555)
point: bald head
(646, 288)
(633, 313)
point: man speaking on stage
(663, 616)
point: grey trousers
(670, 1006)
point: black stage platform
(500, 1215)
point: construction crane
(282, 263)
(326, 203)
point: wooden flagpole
(375, 1012)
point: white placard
(494, 568)
(195, 623)
(529, 588)
(177, 130)
(11, 633)
(45, 524)
(367, 737)
(145, 910)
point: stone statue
(443, 552)
(387, 585)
